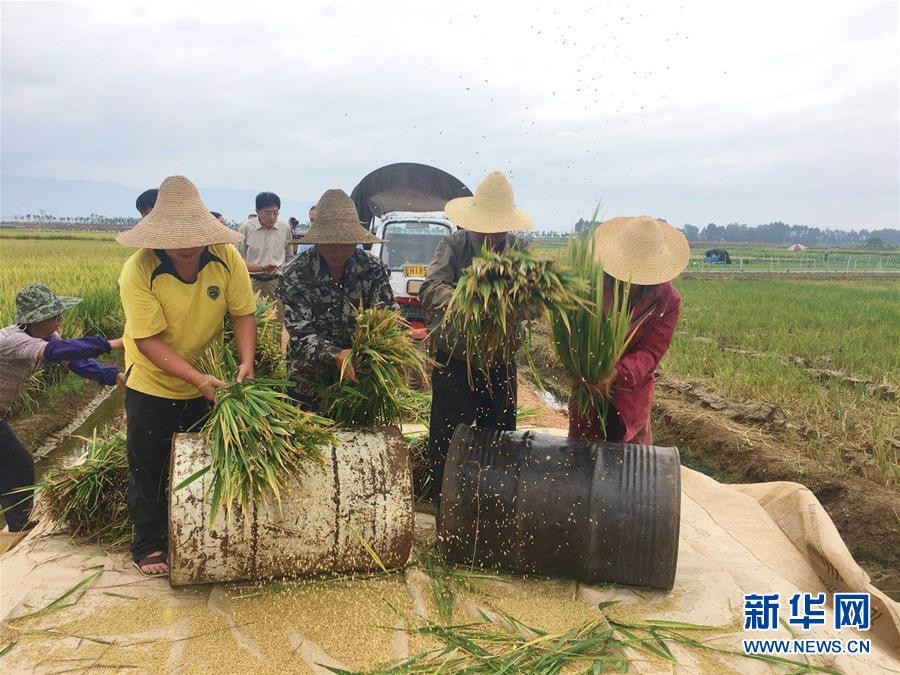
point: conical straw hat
(491, 210)
(337, 222)
(641, 249)
(180, 219)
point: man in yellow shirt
(175, 291)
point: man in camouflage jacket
(323, 288)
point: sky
(694, 112)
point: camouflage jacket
(320, 314)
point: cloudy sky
(696, 112)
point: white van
(403, 204)
(411, 239)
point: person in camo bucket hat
(24, 347)
(37, 302)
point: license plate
(415, 270)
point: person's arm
(147, 322)
(77, 355)
(169, 361)
(91, 369)
(639, 364)
(245, 339)
(59, 350)
(241, 303)
(443, 273)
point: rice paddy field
(825, 353)
(85, 264)
(760, 259)
(757, 340)
(803, 366)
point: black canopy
(717, 255)
(405, 186)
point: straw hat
(337, 222)
(641, 249)
(491, 210)
(179, 220)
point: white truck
(402, 204)
(411, 240)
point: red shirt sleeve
(649, 345)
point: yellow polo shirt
(187, 316)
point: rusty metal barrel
(357, 502)
(532, 503)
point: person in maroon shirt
(649, 253)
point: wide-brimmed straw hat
(36, 303)
(179, 219)
(641, 249)
(491, 210)
(337, 222)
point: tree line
(776, 233)
(771, 233)
(782, 233)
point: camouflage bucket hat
(37, 302)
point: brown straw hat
(178, 220)
(337, 222)
(641, 249)
(491, 210)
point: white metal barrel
(360, 496)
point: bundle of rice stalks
(89, 498)
(220, 359)
(588, 339)
(383, 355)
(259, 441)
(496, 294)
(269, 361)
(604, 644)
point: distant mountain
(20, 195)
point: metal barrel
(533, 503)
(352, 508)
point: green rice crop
(84, 266)
(496, 294)
(383, 356)
(589, 340)
(259, 441)
(89, 497)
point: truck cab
(403, 204)
(411, 239)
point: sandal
(154, 559)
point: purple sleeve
(94, 370)
(58, 351)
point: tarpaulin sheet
(735, 539)
(405, 186)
